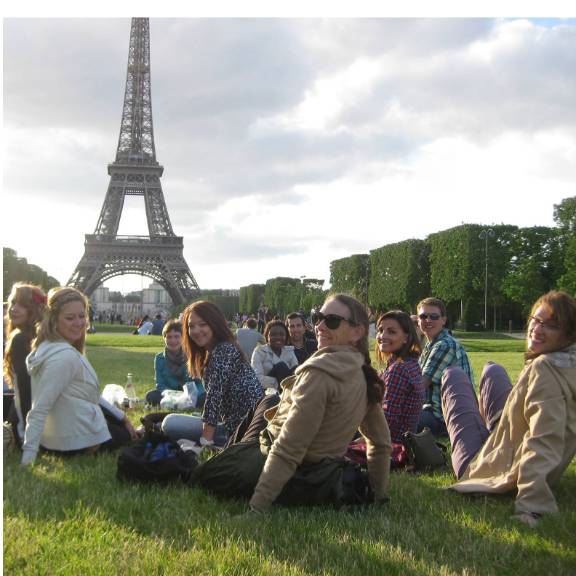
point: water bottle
(130, 391)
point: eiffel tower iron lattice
(135, 172)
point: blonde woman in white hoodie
(67, 415)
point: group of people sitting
(298, 401)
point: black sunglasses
(434, 316)
(332, 321)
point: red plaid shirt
(403, 396)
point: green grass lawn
(71, 516)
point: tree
(251, 297)
(458, 268)
(399, 275)
(534, 268)
(565, 218)
(313, 294)
(282, 294)
(17, 269)
(351, 275)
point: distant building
(152, 301)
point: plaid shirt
(403, 396)
(437, 355)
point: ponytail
(374, 385)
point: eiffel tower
(135, 172)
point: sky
(289, 142)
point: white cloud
(290, 142)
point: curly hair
(274, 324)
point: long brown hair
(33, 299)
(411, 348)
(563, 309)
(359, 317)
(212, 315)
(48, 329)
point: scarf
(175, 361)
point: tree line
(521, 264)
(17, 269)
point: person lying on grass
(519, 438)
(329, 397)
(68, 416)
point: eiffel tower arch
(135, 172)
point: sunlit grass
(72, 516)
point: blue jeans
(178, 426)
(428, 420)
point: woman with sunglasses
(232, 387)
(274, 361)
(398, 346)
(26, 305)
(329, 397)
(519, 438)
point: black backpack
(155, 458)
(425, 454)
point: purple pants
(469, 424)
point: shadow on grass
(424, 530)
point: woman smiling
(274, 361)
(329, 397)
(520, 438)
(232, 388)
(67, 415)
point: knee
(168, 424)
(453, 375)
(492, 370)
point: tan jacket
(535, 439)
(321, 408)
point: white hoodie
(65, 414)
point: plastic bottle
(130, 391)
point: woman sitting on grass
(26, 304)
(274, 361)
(232, 387)
(399, 346)
(520, 438)
(170, 370)
(67, 415)
(332, 394)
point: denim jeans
(178, 426)
(428, 420)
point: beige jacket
(535, 439)
(321, 408)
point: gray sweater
(65, 413)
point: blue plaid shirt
(437, 355)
